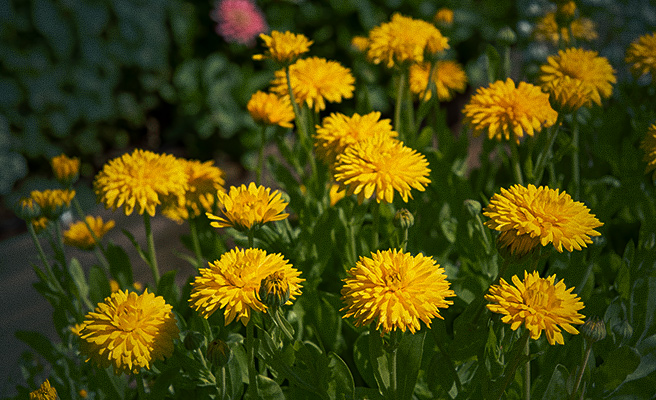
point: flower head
(314, 81)
(44, 392)
(66, 169)
(246, 207)
(204, 181)
(52, 202)
(339, 131)
(129, 331)
(239, 21)
(648, 145)
(641, 54)
(539, 304)
(594, 71)
(530, 216)
(78, 234)
(404, 40)
(395, 290)
(504, 110)
(142, 179)
(271, 109)
(444, 17)
(284, 47)
(233, 283)
(449, 77)
(549, 29)
(381, 165)
(360, 43)
(569, 95)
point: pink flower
(239, 21)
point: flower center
(541, 297)
(393, 281)
(128, 317)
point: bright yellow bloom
(648, 144)
(503, 111)
(404, 40)
(284, 47)
(129, 332)
(641, 54)
(444, 17)
(548, 29)
(594, 71)
(314, 81)
(142, 179)
(233, 282)
(271, 109)
(569, 95)
(204, 180)
(360, 43)
(539, 304)
(78, 234)
(395, 290)
(52, 202)
(339, 131)
(449, 77)
(381, 165)
(66, 169)
(244, 208)
(543, 214)
(45, 392)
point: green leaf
(268, 389)
(167, 288)
(617, 365)
(98, 284)
(340, 384)
(119, 263)
(379, 361)
(493, 63)
(80, 281)
(41, 344)
(408, 361)
(362, 359)
(557, 387)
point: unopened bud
(473, 207)
(193, 340)
(506, 36)
(403, 219)
(594, 329)
(274, 290)
(219, 353)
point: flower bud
(66, 170)
(274, 290)
(28, 209)
(594, 329)
(193, 340)
(506, 36)
(624, 330)
(403, 219)
(219, 353)
(473, 207)
(444, 17)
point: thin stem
(394, 346)
(195, 242)
(260, 156)
(151, 249)
(404, 243)
(140, 387)
(39, 249)
(584, 363)
(527, 373)
(250, 349)
(576, 165)
(251, 237)
(510, 372)
(300, 122)
(223, 392)
(375, 212)
(545, 154)
(515, 161)
(399, 105)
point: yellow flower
(539, 304)
(569, 95)
(360, 43)
(444, 17)
(594, 71)
(129, 332)
(336, 194)
(244, 208)
(504, 111)
(45, 392)
(78, 234)
(404, 40)
(40, 224)
(52, 202)
(548, 29)
(233, 282)
(395, 290)
(542, 214)
(204, 180)
(271, 109)
(284, 47)
(648, 144)
(114, 286)
(339, 131)
(142, 179)
(381, 165)
(314, 81)
(641, 54)
(66, 169)
(449, 77)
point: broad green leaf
(408, 361)
(340, 384)
(80, 281)
(362, 359)
(557, 387)
(119, 264)
(167, 288)
(98, 284)
(618, 364)
(41, 344)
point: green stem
(515, 161)
(251, 237)
(44, 260)
(527, 373)
(195, 242)
(510, 371)
(375, 213)
(404, 243)
(222, 391)
(151, 249)
(260, 156)
(576, 166)
(275, 315)
(584, 363)
(399, 105)
(250, 349)
(545, 154)
(140, 387)
(394, 346)
(300, 122)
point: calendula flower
(66, 170)
(44, 392)
(444, 17)
(641, 54)
(141, 179)
(569, 95)
(449, 77)
(404, 40)
(587, 66)
(239, 21)
(52, 202)
(129, 332)
(648, 145)
(314, 81)
(395, 290)
(284, 47)
(204, 181)
(540, 304)
(505, 111)
(78, 234)
(339, 131)
(526, 215)
(247, 207)
(548, 29)
(233, 282)
(271, 109)
(381, 165)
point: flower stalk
(152, 256)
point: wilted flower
(641, 54)
(539, 304)
(239, 21)
(66, 170)
(78, 234)
(284, 47)
(271, 109)
(449, 77)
